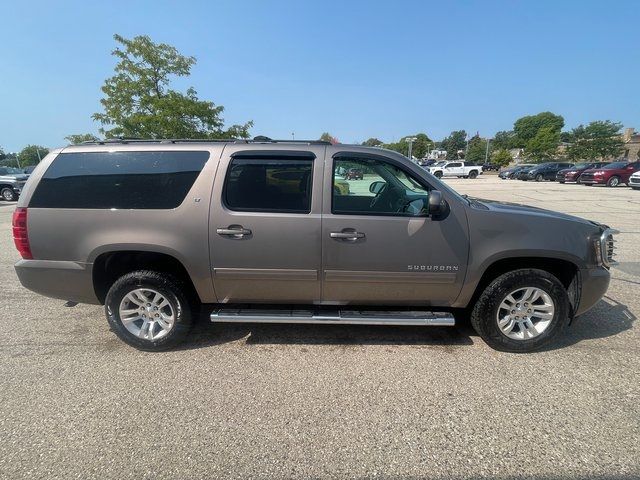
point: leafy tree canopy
(419, 149)
(597, 140)
(31, 155)
(501, 157)
(505, 140)
(2, 154)
(138, 100)
(543, 146)
(477, 149)
(327, 137)
(372, 142)
(526, 128)
(79, 138)
(457, 140)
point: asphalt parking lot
(327, 402)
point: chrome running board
(342, 317)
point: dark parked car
(544, 171)
(573, 174)
(489, 167)
(354, 174)
(611, 175)
(511, 173)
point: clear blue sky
(356, 69)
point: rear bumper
(57, 279)
(595, 282)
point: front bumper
(58, 279)
(595, 282)
(593, 181)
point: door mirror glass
(376, 187)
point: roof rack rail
(258, 139)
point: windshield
(615, 165)
(439, 164)
(9, 171)
(581, 166)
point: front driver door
(378, 244)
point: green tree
(505, 140)
(79, 138)
(544, 144)
(598, 140)
(327, 137)
(372, 142)
(526, 128)
(31, 155)
(138, 100)
(477, 150)
(2, 154)
(457, 140)
(501, 157)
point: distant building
(437, 155)
(631, 148)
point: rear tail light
(20, 234)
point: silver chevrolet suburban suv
(271, 231)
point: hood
(519, 209)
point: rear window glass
(269, 185)
(122, 180)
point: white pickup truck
(455, 169)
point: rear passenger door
(264, 227)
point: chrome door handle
(233, 231)
(353, 236)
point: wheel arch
(566, 271)
(111, 265)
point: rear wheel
(8, 194)
(613, 181)
(521, 311)
(148, 310)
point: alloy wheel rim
(7, 195)
(614, 182)
(147, 314)
(525, 313)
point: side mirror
(435, 202)
(376, 187)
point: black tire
(8, 194)
(167, 285)
(473, 174)
(587, 184)
(485, 311)
(438, 174)
(613, 181)
(539, 177)
(561, 181)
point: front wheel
(8, 194)
(438, 174)
(613, 181)
(539, 177)
(521, 311)
(148, 310)
(473, 174)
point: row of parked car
(610, 174)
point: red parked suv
(610, 175)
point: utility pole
(38, 152)
(410, 141)
(293, 136)
(486, 153)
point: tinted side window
(124, 180)
(269, 185)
